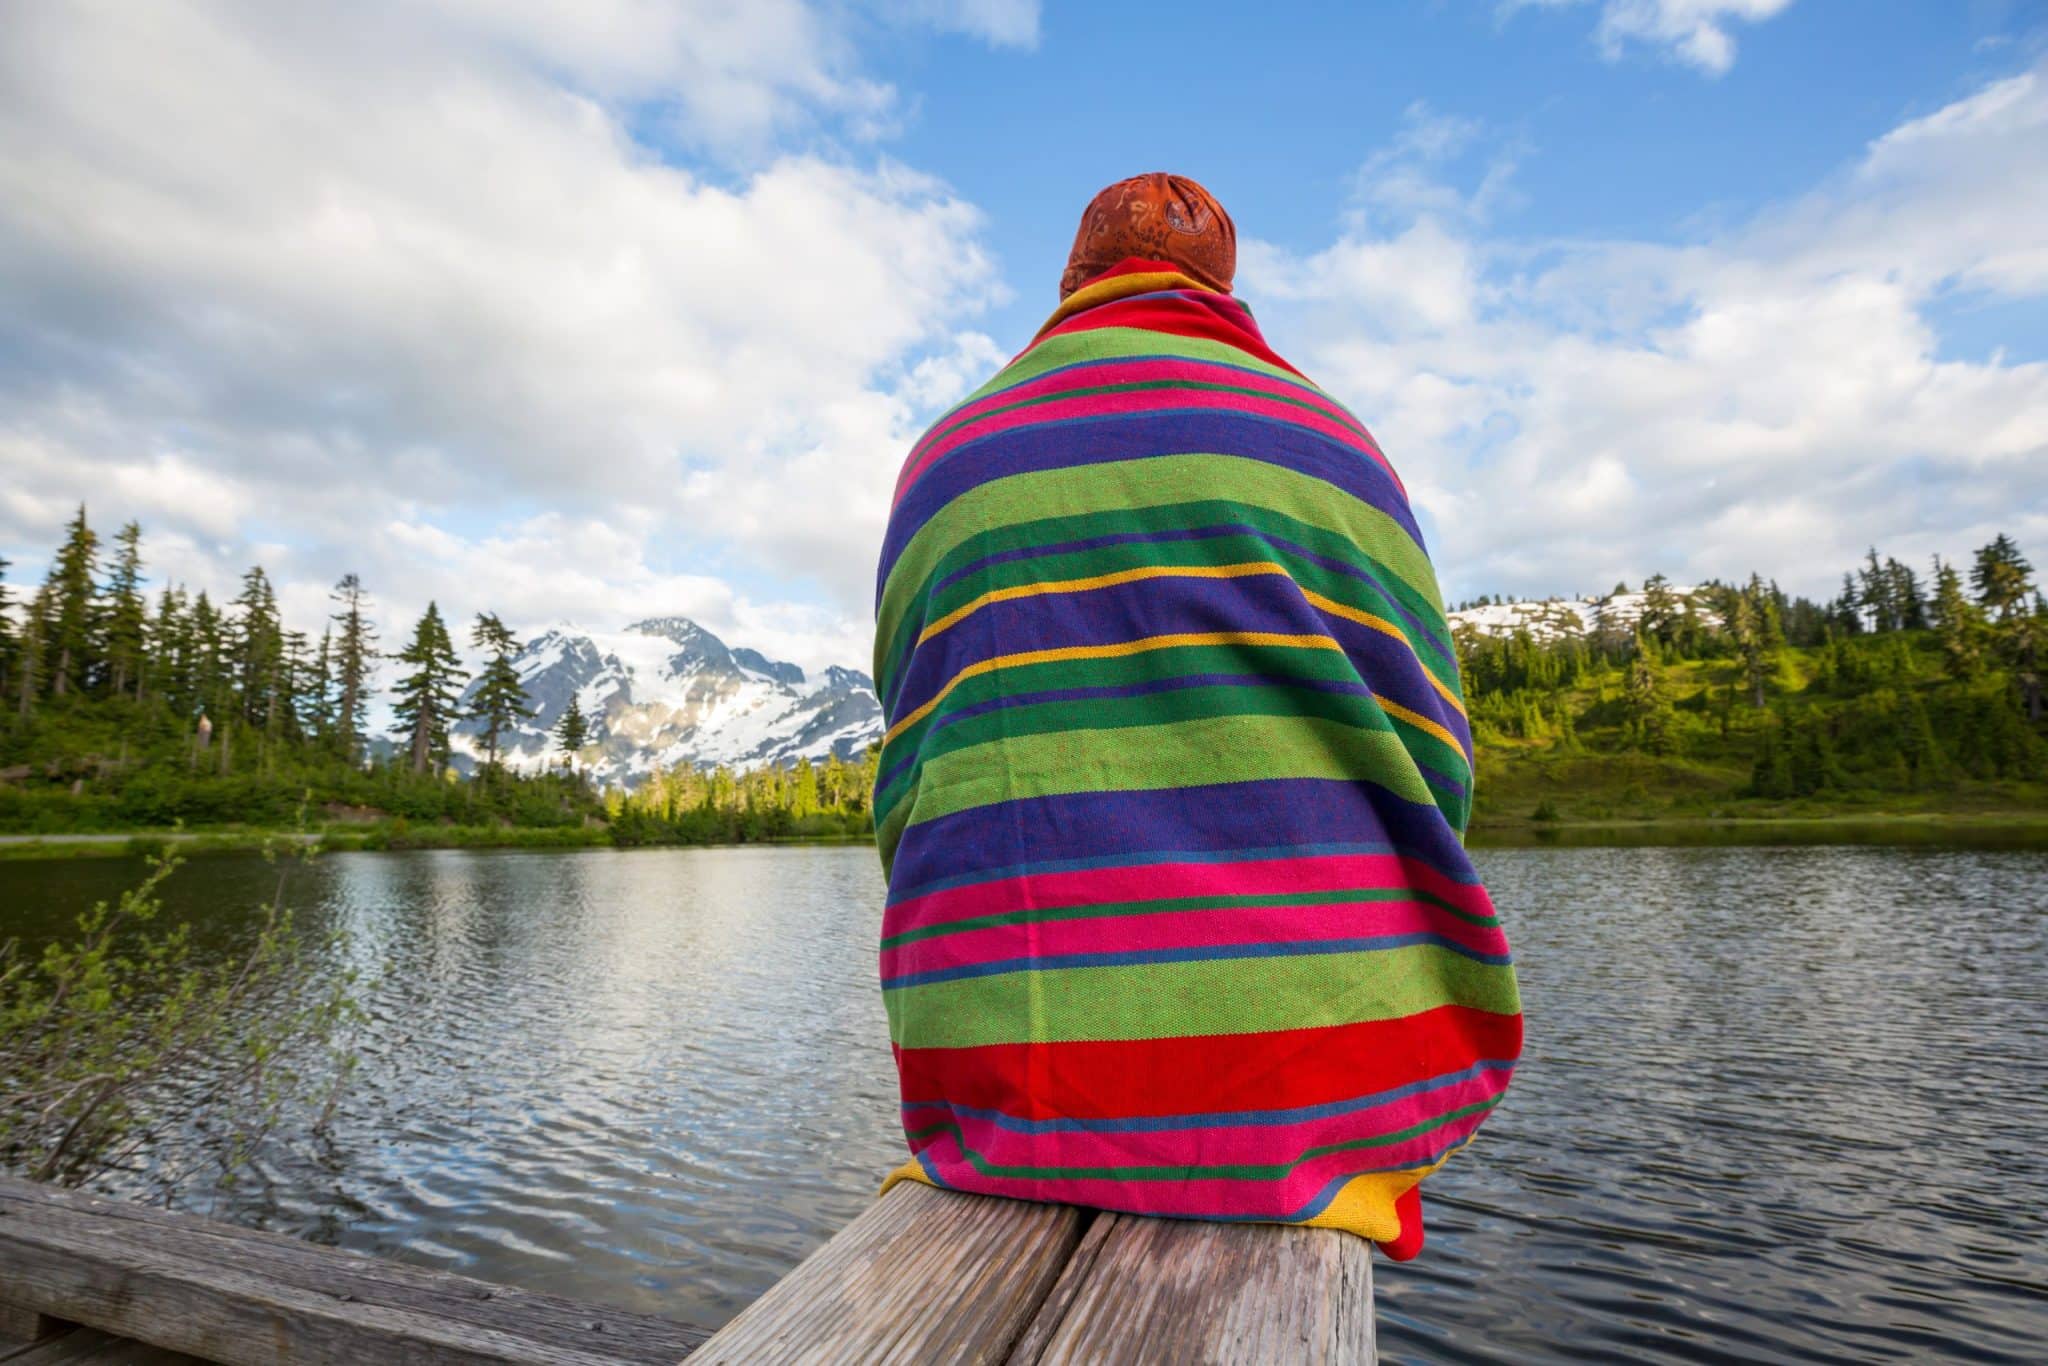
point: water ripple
(1777, 1104)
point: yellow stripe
(1385, 627)
(1119, 650)
(1119, 287)
(1418, 720)
(1156, 571)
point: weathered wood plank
(237, 1295)
(1162, 1290)
(923, 1275)
(1037, 1335)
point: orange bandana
(1159, 217)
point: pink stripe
(1159, 881)
(1197, 1197)
(1124, 405)
(1187, 929)
(1242, 1144)
(1148, 370)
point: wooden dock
(921, 1276)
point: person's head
(1159, 217)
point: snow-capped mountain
(666, 692)
(1555, 618)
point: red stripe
(961, 423)
(1219, 1072)
(1212, 317)
(1137, 405)
(1156, 881)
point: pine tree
(1846, 612)
(2024, 641)
(68, 644)
(1873, 594)
(355, 655)
(2002, 578)
(572, 731)
(213, 677)
(9, 643)
(317, 697)
(1906, 596)
(258, 645)
(169, 649)
(426, 697)
(1746, 634)
(500, 698)
(32, 652)
(295, 681)
(1958, 624)
(126, 615)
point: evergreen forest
(126, 712)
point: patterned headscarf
(1160, 217)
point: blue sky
(1277, 108)
(631, 307)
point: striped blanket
(1173, 787)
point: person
(1175, 775)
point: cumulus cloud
(1773, 397)
(1694, 32)
(341, 276)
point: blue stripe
(1138, 860)
(1228, 1119)
(1264, 813)
(1194, 954)
(1446, 657)
(1116, 614)
(1077, 442)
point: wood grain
(240, 1296)
(923, 1275)
(1161, 1290)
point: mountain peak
(681, 630)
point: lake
(1776, 1103)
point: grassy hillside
(1869, 729)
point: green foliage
(1886, 698)
(500, 701)
(110, 1040)
(688, 806)
(572, 730)
(425, 700)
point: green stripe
(1383, 594)
(1136, 719)
(1202, 996)
(1150, 482)
(1356, 896)
(1274, 663)
(1198, 753)
(1226, 1171)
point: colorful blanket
(1173, 788)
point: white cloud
(373, 280)
(1695, 32)
(1773, 397)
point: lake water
(1776, 1103)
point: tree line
(119, 710)
(1898, 683)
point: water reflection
(1777, 1103)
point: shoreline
(1959, 830)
